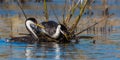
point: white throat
(28, 23)
(57, 33)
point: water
(31, 6)
(83, 50)
(108, 49)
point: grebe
(49, 28)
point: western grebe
(39, 32)
(49, 28)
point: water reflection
(43, 50)
(29, 52)
(50, 51)
(57, 51)
(83, 50)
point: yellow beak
(39, 25)
(66, 36)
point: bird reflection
(43, 50)
(30, 52)
(57, 51)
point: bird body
(43, 33)
(51, 29)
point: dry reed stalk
(101, 20)
(46, 11)
(11, 28)
(64, 11)
(72, 10)
(21, 9)
(23, 34)
(53, 10)
(77, 19)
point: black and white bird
(49, 28)
(30, 24)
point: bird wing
(50, 27)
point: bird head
(32, 20)
(31, 26)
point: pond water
(82, 50)
(11, 8)
(108, 49)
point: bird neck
(28, 23)
(57, 33)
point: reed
(46, 11)
(71, 12)
(77, 19)
(53, 10)
(11, 28)
(64, 11)
(91, 26)
(21, 9)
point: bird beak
(66, 36)
(39, 25)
